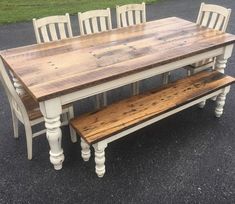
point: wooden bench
(124, 117)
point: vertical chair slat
(130, 18)
(219, 22)
(53, 32)
(103, 24)
(62, 30)
(44, 34)
(205, 19)
(137, 17)
(124, 21)
(213, 20)
(94, 25)
(87, 26)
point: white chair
(94, 21)
(214, 17)
(128, 15)
(26, 110)
(210, 16)
(52, 28)
(91, 22)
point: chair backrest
(13, 98)
(213, 16)
(52, 28)
(130, 14)
(94, 21)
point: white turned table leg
(220, 65)
(221, 60)
(51, 111)
(100, 158)
(220, 102)
(85, 152)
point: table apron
(87, 92)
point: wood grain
(96, 126)
(57, 68)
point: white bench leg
(85, 152)
(220, 102)
(100, 158)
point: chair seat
(32, 107)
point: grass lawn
(12, 11)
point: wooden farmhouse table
(61, 72)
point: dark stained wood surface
(56, 68)
(96, 126)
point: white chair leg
(214, 98)
(202, 104)
(165, 78)
(105, 101)
(15, 123)
(29, 140)
(73, 134)
(98, 104)
(100, 158)
(85, 152)
(189, 72)
(64, 117)
(135, 88)
(220, 102)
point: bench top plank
(127, 113)
(56, 68)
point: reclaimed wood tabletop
(56, 68)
